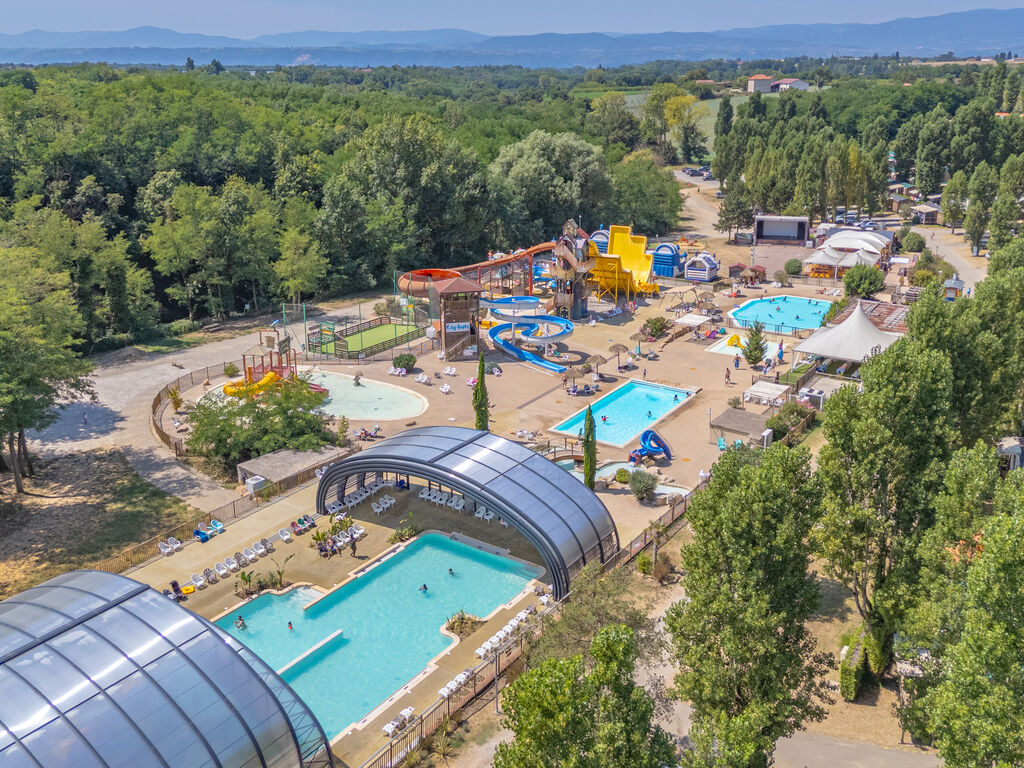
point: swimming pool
(723, 347)
(626, 410)
(782, 314)
(371, 400)
(608, 471)
(390, 630)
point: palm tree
(280, 569)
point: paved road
(121, 418)
(969, 273)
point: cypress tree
(480, 397)
(589, 449)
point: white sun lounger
(481, 652)
(165, 549)
(175, 544)
(285, 534)
(357, 531)
(231, 563)
(253, 557)
(259, 549)
(222, 570)
(198, 581)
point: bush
(736, 402)
(405, 360)
(180, 327)
(851, 672)
(863, 280)
(781, 276)
(390, 307)
(655, 326)
(230, 369)
(877, 653)
(642, 484)
(622, 475)
(662, 569)
(111, 342)
(788, 416)
(912, 242)
(644, 563)
(793, 267)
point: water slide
(529, 326)
(626, 269)
(651, 444)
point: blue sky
(246, 18)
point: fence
(239, 508)
(190, 379)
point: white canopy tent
(828, 256)
(867, 241)
(692, 321)
(766, 393)
(855, 339)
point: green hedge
(878, 653)
(851, 671)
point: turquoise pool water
(371, 400)
(390, 629)
(609, 470)
(782, 314)
(626, 409)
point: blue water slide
(525, 325)
(654, 444)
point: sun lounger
(241, 559)
(310, 521)
(207, 530)
(197, 581)
(284, 534)
(389, 729)
(165, 549)
(231, 563)
(480, 652)
(222, 570)
(175, 544)
(259, 549)
(444, 693)
(406, 713)
(209, 575)
(357, 531)
(722, 445)
(217, 526)
(296, 529)
(202, 536)
(253, 557)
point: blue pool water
(390, 630)
(370, 400)
(627, 408)
(609, 470)
(782, 314)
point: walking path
(951, 248)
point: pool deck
(305, 566)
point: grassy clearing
(78, 510)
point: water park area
(368, 399)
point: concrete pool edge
(423, 400)
(790, 330)
(692, 394)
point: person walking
(736, 362)
(728, 377)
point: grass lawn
(707, 123)
(171, 343)
(79, 509)
(382, 333)
(790, 377)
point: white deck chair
(175, 544)
(259, 549)
(488, 516)
(222, 570)
(357, 531)
(480, 512)
(424, 492)
(165, 549)
(198, 581)
(285, 534)
(231, 563)
(377, 509)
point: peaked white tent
(856, 338)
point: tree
(302, 267)
(972, 138)
(978, 708)
(611, 119)
(981, 190)
(1005, 217)
(954, 200)
(480, 402)
(723, 120)
(863, 280)
(646, 196)
(912, 242)
(589, 449)
(1006, 258)
(932, 150)
(189, 64)
(682, 116)
(755, 107)
(886, 451)
(746, 659)
(563, 715)
(756, 348)
(904, 146)
(736, 211)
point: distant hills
(965, 33)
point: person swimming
(650, 415)
(240, 622)
(450, 573)
(290, 627)
(423, 588)
(675, 398)
(604, 419)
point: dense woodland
(130, 199)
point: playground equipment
(651, 444)
(623, 267)
(527, 326)
(241, 388)
(734, 341)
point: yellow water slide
(625, 271)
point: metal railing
(190, 379)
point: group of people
(333, 545)
(365, 434)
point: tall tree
(589, 449)
(736, 211)
(954, 200)
(682, 116)
(932, 150)
(904, 146)
(981, 192)
(973, 135)
(480, 402)
(747, 661)
(1005, 217)
(563, 715)
(723, 120)
(646, 196)
(612, 120)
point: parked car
(708, 176)
(719, 194)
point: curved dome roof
(97, 669)
(557, 513)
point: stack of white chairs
(450, 371)
(446, 389)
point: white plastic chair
(175, 544)
(480, 512)
(285, 534)
(165, 549)
(377, 509)
(488, 516)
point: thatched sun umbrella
(596, 361)
(571, 374)
(618, 349)
(705, 295)
(638, 337)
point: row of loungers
(499, 637)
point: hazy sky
(253, 17)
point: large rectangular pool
(624, 413)
(390, 630)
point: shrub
(174, 393)
(642, 484)
(736, 402)
(622, 475)
(912, 242)
(851, 672)
(655, 326)
(644, 563)
(877, 652)
(405, 360)
(835, 309)
(180, 327)
(662, 569)
(390, 307)
(111, 342)
(230, 369)
(781, 276)
(863, 280)
(787, 417)
(793, 267)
